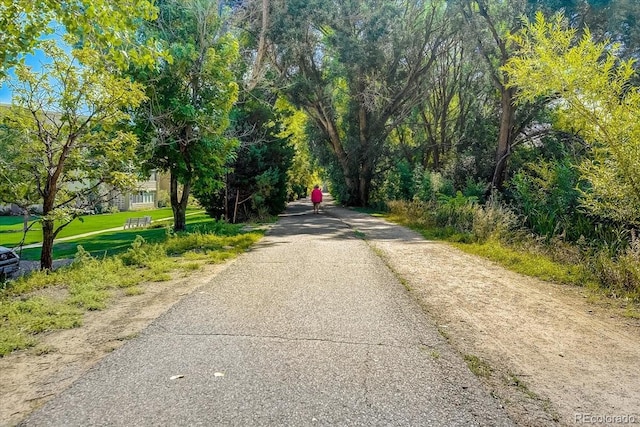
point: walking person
(316, 198)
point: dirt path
(564, 354)
(551, 355)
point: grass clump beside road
(527, 263)
(41, 302)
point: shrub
(620, 275)
(493, 220)
(546, 194)
(163, 199)
(430, 185)
(456, 212)
(142, 254)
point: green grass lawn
(11, 226)
(115, 242)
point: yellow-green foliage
(594, 97)
(303, 174)
(107, 26)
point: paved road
(309, 328)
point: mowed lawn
(11, 226)
(114, 242)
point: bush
(493, 220)
(456, 212)
(429, 185)
(620, 275)
(141, 254)
(546, 195)
(163, 199)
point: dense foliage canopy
(252, 102)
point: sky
(35, 60)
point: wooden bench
(144, 221)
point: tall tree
(69, 119)
(107, 25)
(594, 97)
(441, 116)
(492, 22)
(357, 68)
(190, 97)
(255, 182)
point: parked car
(9, 262)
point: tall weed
(619, 275)
(461, 216)
(493, 220)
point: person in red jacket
(316, 198)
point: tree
(256, 181)
(71, 141)
(606, 19)
(107, 25)
(492, 23)
(190, 97)
(17, 186)
(593, 96)
(429, 138)
(357, 68)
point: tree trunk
(179, 218)
(325, 122)
(46, 256)
(25, 220)
(262, 43)
(364, 188)
(179, 204)
(504, 138)
(48, 225)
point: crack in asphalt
(294, 339)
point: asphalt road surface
(308, 328)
